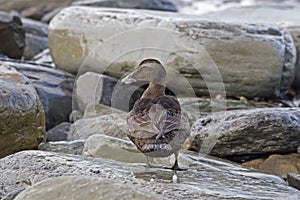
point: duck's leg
(175, 166)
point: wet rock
(235, 51)
(22, 116)
(280, 14)
(163, 5)
(294, 180)
(12, 35)
(67, 147)
(58, 133)
(205, 177)
(248, 132)
(36, 39)
(94, 188)
(93, 88)
(280, 165)
(54, 88)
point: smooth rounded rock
(280, 165)
(22, 118)
(54, 87)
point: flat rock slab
(22, 118)
(283, 15)
(205, 178)
(241, 58)
(248, 132)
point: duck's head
(149, 70)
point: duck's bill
(128, 79)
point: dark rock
(294, 180)
(36, 37)
(22, 118)
(298, 149)
(206, 177)
(163, 5)
(58, 133)
(12, 35)
(54, 88)
(248, 132)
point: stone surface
(294, 180)
(73, 147)
(92, 88)
(54, 88)
(280, 14)
(12, 35)
(44, 57)
(280, 165)
(82, 187)
(22, 116)
(36, 37)
(298, 149)
(113, 124)
(241, 57)
(205, 178)
(248, 132)
(58, 133)
(163, 5)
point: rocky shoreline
(63, 109)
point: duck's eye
(170, 113)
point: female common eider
(156, 124)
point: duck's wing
(176, 118)
(157, 117)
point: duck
(157, 125)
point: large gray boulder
(12, 35)
(248, 132)
(285, 15)
(22, 118)
(205, 178)
(211, 57)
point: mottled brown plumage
(156, 125)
